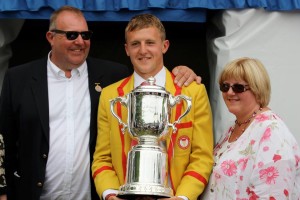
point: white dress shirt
(160, 78)
(68, 165)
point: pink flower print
(266, 135)
(252, 195)
(272, 198)
(243, 163)
(266, 148)
(286, 192)
(217, 176)
(241, 178)
(252, 142)
(276, 157)
(261, 118)
(297, 160)
(228, 167)
(268, 175)
(260, 164)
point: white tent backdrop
(272, 37)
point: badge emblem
(183, 142)
(98, 88)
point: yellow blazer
(190, 162)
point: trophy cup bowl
(149, 109)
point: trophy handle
(174, 101)
(123, 101)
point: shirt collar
(160, 78)
(61, 74)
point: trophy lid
(150, 86)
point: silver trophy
(149, 109)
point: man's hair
(142, 21)
(54, 15)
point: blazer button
(44, 156)
(39, 184)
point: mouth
(232, 100)
(77, 50)
(144, 58)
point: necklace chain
(241, 123)
(248, 120)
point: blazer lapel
(95, 77)
(39, 85)
(170, 87)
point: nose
(230, 91)
(143, 48)
(79, 39)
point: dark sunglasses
(72, 35)
(237, 88)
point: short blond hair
(253, 72)
(141, 21)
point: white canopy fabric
(274, 38)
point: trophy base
(140, 196)
(132, 191)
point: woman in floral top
(258, 157)
(2, 171)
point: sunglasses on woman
(236, 88)
(72, 35)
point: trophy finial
(151, 80)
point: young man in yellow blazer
(189, 150)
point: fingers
(182, 74)
(198, 79)
(185, 76)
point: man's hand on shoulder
(185, 76)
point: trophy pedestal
(146, 172)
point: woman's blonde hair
(253, 72)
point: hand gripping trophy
(149, 108)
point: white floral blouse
(264, 163)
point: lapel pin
(98, 88)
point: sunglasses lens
(224, 87)
(86, 35)
(238, 88)
(72, 35)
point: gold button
(39, 184)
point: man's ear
(166, 45)
(125, 45)
(49, 37)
